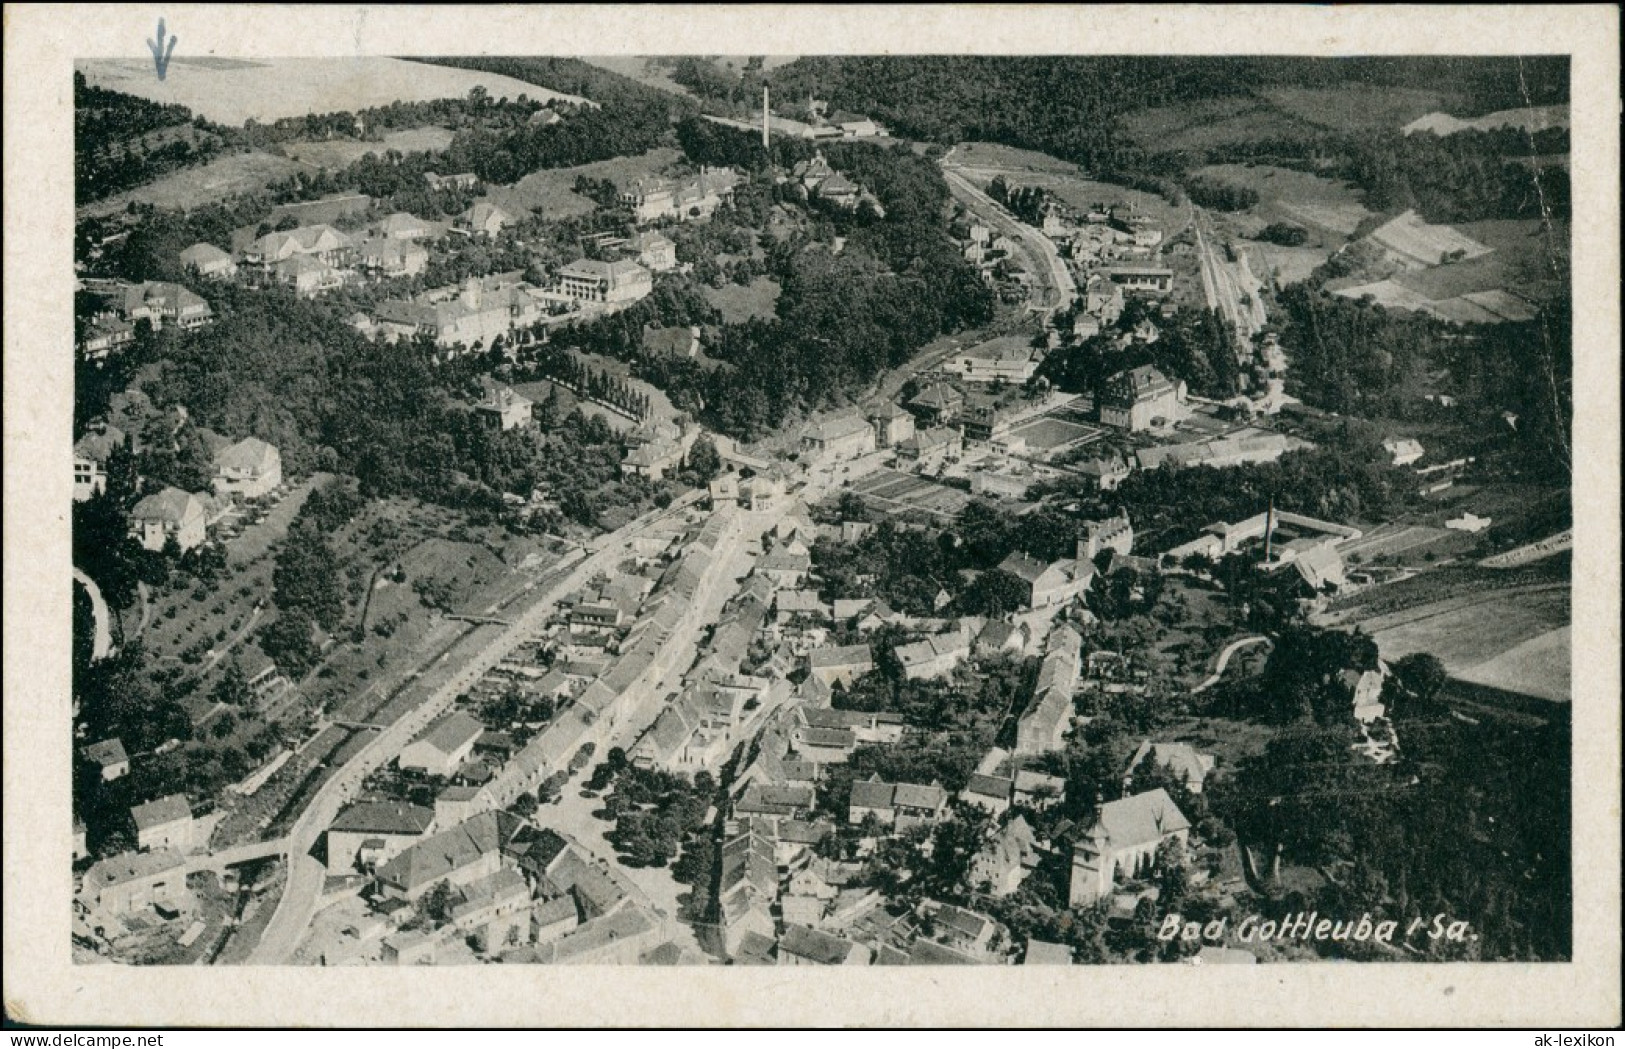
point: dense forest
(281, 369)
(1357, 357)
(1075, 108)
(1471, 821)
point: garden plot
(900, 493)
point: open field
(982, 161)
(1231, 740)
(740, 304)
(644, 70)
(1400, 544)
(452, 572)
(1214, 122)
(551, 193)
(1356, 107)
(1497, 285)
(1541, 666)
(1535, 118)
(1280, 113)
(342, 152)
(218, 179)
(1295, 196)
(1520, 256)
(660, 406)
(257, 539)
(538, 391)
(270, 89)
(1282, 266)
(1516, 641)
(1009, 158)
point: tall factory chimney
(1269, 531)
(765, 143)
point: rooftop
(168, 809)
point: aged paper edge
(43, 986)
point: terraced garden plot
(897, 493)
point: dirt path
(1224, 660)
(102, 644)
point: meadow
(266, 90)
(223, 177)
(1515, 641)
(342, 152)
(738, 304)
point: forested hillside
(842, 318)
(121, 141)
(1075, 108)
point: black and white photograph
(822, 509)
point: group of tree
(309, 582)
(1283, 233)
(290, 371)
(1471, 821)
(841, 318)
(1026, 203)
(1196, 345)
(1355, 357)
(1219, 195)
(559, 364)
(909, 567)
(654, 812)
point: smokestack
(1269, 530)
(766, 145)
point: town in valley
(822, 511)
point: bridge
(237, 855)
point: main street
(572, 814)
(296, 905)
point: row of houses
(517, 891)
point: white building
(587, 280)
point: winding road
(102, 645)
(1224, 660)
(1059, 287)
